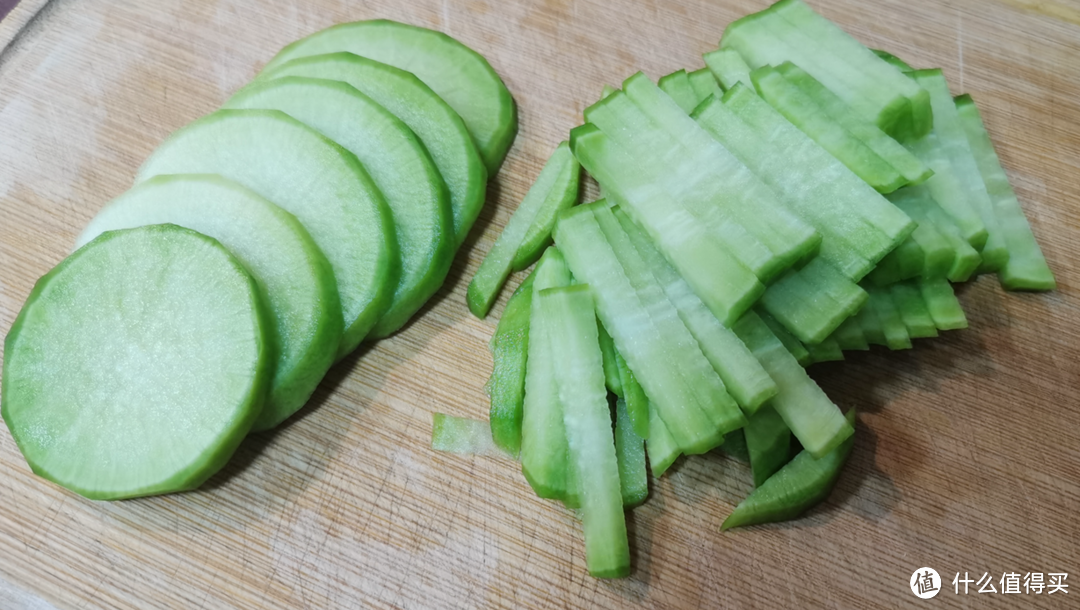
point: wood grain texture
(966, 458)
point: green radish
(913, 311)
(799, 108)
(656, 158)
(630, 452)
(677, 86)
(791, 344)
(735, 446)
(137, 365)
(955, 184)
(295, 280)
(661, 447)
(510, 353)
(892, 324)
(1026, 268)
(528, 232)
(728, 67)
(665, 370)
(587, 420)
(927, 252)
(870, 325)
(543, 437)
(813, 301)
(943, 305)
(722, 282)
(721, 409)
(611, 363)
(807, 411)
(950, 134)
(962, 260)
(704, 84)
(856, 223)
(849, 336)
(801, 484)
(398, 163)
(319, 182)
(439, 128)
(909, 166)
(637, 403)
(458, 74)
(462, 435)
(719, 176)
(740, 371)
(828, 350)
(791, 31)
(768, 442)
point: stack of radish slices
(321, 206)
(799, 197)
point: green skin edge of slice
(398, 163)
(295, 280)
(460, 75)
(217, 451)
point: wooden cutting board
(966, 458)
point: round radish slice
(295, 279)
(137, 365)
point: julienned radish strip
(630, 451)
(726, 286)
(555, 189)
(830, 134)
(661, 447)
(875, 89)
(705, 384)
(850, 335)
(892, 325)
(587, 419)
(1026, 268)
(943, 305)
(704, 84)
(951, 136)
(812, 417)
(637, 404)
(750, 203)
(543, 439)
(919, 203)
(768, 441)
(659, 367)
(742, 374)
(913, 311)
(832, 190)
(510, 353)
(801, 484)
(658, 157)
(137, 365)
(728, 67)
(677, 86)
(463, 435)
(612, 377)
(909, 166)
